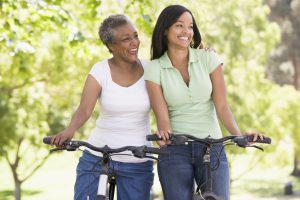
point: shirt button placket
(190, 95)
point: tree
(47, 48)
(284, 63)
(36, 62)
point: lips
(133, 51)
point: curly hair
(108, 25)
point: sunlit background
(48, 47)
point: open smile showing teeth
(133, 50)
(184, 38)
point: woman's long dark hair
(167, 18)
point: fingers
(165, 137)
(58, 139)
(161, 143)
(255, 135)
(259, 136)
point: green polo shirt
(191, 109)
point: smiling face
(180, 34)
(125, 43)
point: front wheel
(197, 197)
(101, 197)
(206, 196)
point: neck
(120, 63)
(178, 56)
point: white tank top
(124, 114)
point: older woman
(119, 86)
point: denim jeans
(133, 180)
(178, 171)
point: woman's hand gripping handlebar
(241, 140)
(137, 151)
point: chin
(133, 59)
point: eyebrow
(183, 21)
(128, 35)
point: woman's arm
(90, 94)
(219, 96)
(160, 109)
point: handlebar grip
(152, 137)
(159, 151)
(47, 140)
(265, 139)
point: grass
(262, 182)
(56, 178)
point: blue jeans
(178, 171)
(133, 180)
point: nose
(187, 29)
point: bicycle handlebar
(241, 140)
(138, 151)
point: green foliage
(47, 48)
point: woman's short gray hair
(106, 28)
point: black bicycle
(242, 141)
(107, 183)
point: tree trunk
(296, 171)
(17, 190)
(14, 166)
(17, 181)
(293, 60)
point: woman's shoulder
(153, 63)
(200, 52)
(204, 55)
(152, 71)
(100, 69)
(207, 52)
(144, 62)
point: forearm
(162, 121)
(159, 106)
(227, 119)
(78, 119)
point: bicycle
(107, 183)
(182, 139)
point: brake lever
(254, 146)
(58, 149)
(152, 157)
(257, 147)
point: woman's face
(181, 33)
(125, 43)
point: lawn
(55, 181)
